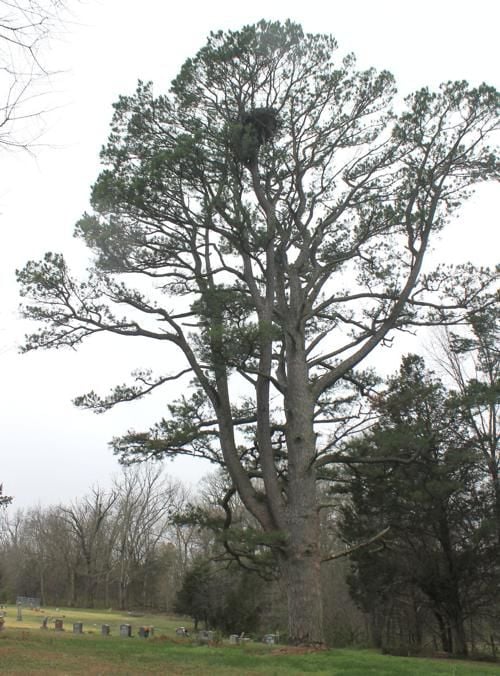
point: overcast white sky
(50, 451)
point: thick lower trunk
(122, 595)
(459, 635)
(90, 589)
(302, 567)
(460, 641)
(376, 624)
(305, 607)
(444, 633)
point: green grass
(92, 619)
(25, 649)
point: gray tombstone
(45, 623)
(234, 639)
(125, 630)
(105, 630)
(59, 625)
(19, 612)
(269, 639)
(77, 627)
(205, 636)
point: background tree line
(108, 548)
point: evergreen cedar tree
(440, 558)
(279, 212)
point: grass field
(25, 649)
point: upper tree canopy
(273, 198)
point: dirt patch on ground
(297, 650)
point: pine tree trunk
(302, 566)
(301, 570)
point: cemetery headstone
(59, 625)
(205, 636)
(45, 623)
(270, 639)
(125, 630)
(105, 630)
(77, 627)
(144, 632)
(19, 612)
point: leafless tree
(87, 519)
(145, 503)
(471, 359)
(26, 26)
(116, 547)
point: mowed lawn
(25, 649)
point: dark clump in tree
(254, 129)
(271, 278)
